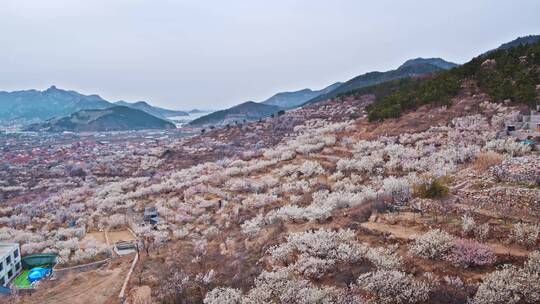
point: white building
(10, 262)
(532, 121)
(525, 123)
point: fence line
(79, 268)
(121, 296)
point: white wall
(14, 264)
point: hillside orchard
(335, 209)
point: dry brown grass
(486, 160)
(141, 295)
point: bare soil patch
(99, 286)
(120, 235)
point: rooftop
(6, 248)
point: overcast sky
(214, 54)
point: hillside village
(322, 204)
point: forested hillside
(411, 68)
(504, 74)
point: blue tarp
(37, 274)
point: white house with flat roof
(10, 262)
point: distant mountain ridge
(287, 100)
(34, 105)
(156, 111)
(410, 68)
(249, 110)
(296, 98)
(116, 118)
(37, 106)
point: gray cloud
(213, 54)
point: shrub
(223, 296)
(394, 287)
(467, 224)
(512, 285)
(313, 267)
(310, 168)
(467, 253)
(524, 234)
(533, 262)
(251, 227)
(481, 232)
(398, 189)
(434, 244)
(433, 189)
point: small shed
(150, 213)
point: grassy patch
(486, 160)
(21, 281)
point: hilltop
(531, 39)
(438, 62)
(293, 99)
(156, 111)
(118, 118)
(248, 111)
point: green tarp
(39, 260)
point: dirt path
(494, 214)
(409, 233)
(502, 249)
(400, 232)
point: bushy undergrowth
(434, 189)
